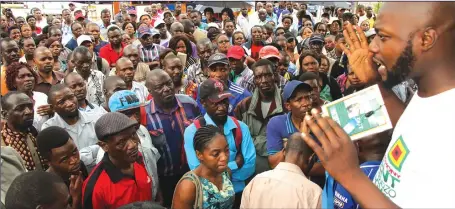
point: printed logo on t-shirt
(389, 174)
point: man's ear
(287, 105)
(4, 114)
(103, 145)
(429, 38)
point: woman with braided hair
(209, 185)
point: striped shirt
(245, 79)
(167, 130)
(238, 93)
(150, 54)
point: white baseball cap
(83, 38)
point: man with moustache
(79, 125)
(77, 84)
(125, 70)
(46, 76)
(174, 67)
(18, 131)
(132, 53)
(29, 49)
(10, 54)
(414, 40)
(198, 72)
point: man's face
(64, 103)
(124, 7)
(283, 65)
(156, 39)
(66, 16)
(77, 30)
(32, 22)
(15, 34)
(168, 19)
(244, 11)
(239, 39)
(300, 104)
(195, 18)
(217, 110)
(115, 37)
(57, 22)
(24, 81)
(178, 7)
(269, 8)
(287, 23)
(125, 70)
(162, 29)
(146, 40)
(37, 14)
(219, 71)
(133, 55)
(369, 11)
(223, 44)
(204, 51)
(322, 29)
(44, 61)
(161, 88)
(78, 86)
(316, 90)
(83, 63)
(259, 6)
(310, 64)
(94, 31)
(72, 7)
(329, 43)
(337, 44)
(289, 6)
(3, 23)
(295, 6)
(262, 16)
(29, 46)
(264, 80)
(66, 159)
(123, 147)
(106, 17)
(361, 11)
(148, 10)
(154, 10)
(237, 65)
(257, 34)
(56, 33)
(174, 68)
(19, 111)
(316, 47)
(177, 29)
(20, 21)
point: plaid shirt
(167, 130)
(244, 79)
(150, 54)
(195, 73)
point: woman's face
(335, 27)
(42, 42)
(56, 48)
(290, 44)
(239, 40)
(26, 31)
(24, 82)
(126, 39)
(181, 47)
(353, 80)
(32, 22)
(129, 29)
(215, 155)
(224, 16)
(310, 64)
(307, 32)
(223, 44)
(365, 26)
(308, 23)
(146, 20)
(324, 66)
(229, 28)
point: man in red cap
(240, 73)
(271, 53)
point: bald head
(296, 145)
(41, 50)
(188, 26)
(154, 76)
(176, 28)
(71, 76)
(113, 84)
(122, 61)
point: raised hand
(75, 189)
(338, 154)
(359, 56)
(44, 110)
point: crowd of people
(188, 109)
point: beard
(402, 68)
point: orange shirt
(3, 81)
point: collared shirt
(82, 132)
(107, 187)
(140, 90)
(239, 175)
(243, 23)
(272, 17)
(238, 93)
(203, 26)
(39, 99)
(285, 183)
(166, 40)
(67, 33)
(342, 198)
(150, 54)
(109, 54)
(166, 130)
(245, 79)
(98, 47)
(44, 87)
(279, 127)
(18, 141)
(92, 108)
(95, 84)
(196, 74)
(140, 73)
(103, 31)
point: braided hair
(204, 135)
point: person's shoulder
(236, 89)
(278, 119)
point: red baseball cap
(236, 52)
(268, 52)
(79, 15)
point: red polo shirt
(110, 55)
(108, 188)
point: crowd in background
(189, 109)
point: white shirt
(422, 147)
(163, 41)
(67, 35)
(243, 23)
(39, 99)
(140, 90)
(93, 91)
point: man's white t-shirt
(418, 170)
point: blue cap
(290, 88)
(123, 100)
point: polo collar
(154, 108)
(113, 172)
(290, 128)
(227, 127)
(56, 78)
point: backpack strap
(199, 195)
(199, 122)
(237, 134)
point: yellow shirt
(371, 20)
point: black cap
(218, 58)
(214, 90)
(289, 36)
